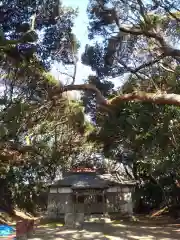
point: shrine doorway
(91, 201)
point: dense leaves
(43, 27)
(43, 132)
(133, 40)
(41, 129)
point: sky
(81, 32)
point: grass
(51, 225)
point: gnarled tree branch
(87, 87)
(156, 98)
(166, 49)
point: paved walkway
(104, 231)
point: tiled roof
(89, 180)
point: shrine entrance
(89, 201)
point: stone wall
(58, 205)
(120, 201)
(74, 220)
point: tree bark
(156, 98)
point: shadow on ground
(104, 231)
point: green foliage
(147, 133)
(151, 133)
(22, 26)
(143, 137)
(33, 107)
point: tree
(25, 58)
(140, 134)
(22, 22)
(40, 127)
(144, 139)
(134, 40)
(149, 21)
(54, 139)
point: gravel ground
(104, 231)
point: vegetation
(139, 122)
(43, 131)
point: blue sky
(80, 30)
(81, 22)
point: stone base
(69, 220)
(74, 220)
(79, 219)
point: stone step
(97, 218)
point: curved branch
(87, 87)
(137, 31)
(165, 47)
(156, 98)
(144, 65)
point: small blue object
(6, 230)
